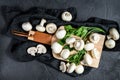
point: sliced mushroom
(65, 53)
(41, 49)
(60, 34)
(95, 53)
(62, 67)
(94, 37)
(26, 26)
(79, 44)
(41, 27)
(66, 16)
(110, 43)
(87, 59)
(71, 68)
(32, 51)
(51, 28)
(56, 47)
(114, 33)
(70, 40)
(79, 69)
(89, 46)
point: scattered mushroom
(79, 44)
(32, 51)
(65, 53)
(71, 68)
(95, 53)
(41, 49)
(87, 59)
(94, 37)
(51, 28)
(70, 40)
(79, 69)
(62, 66)
(114, 33)
(89, 46)
(110, 43)
(56, 47)
(66, 16)
(26, 26)
(41, 27)
(60, 34)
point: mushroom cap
(56, 47)
(41, 49)
(62, 66)
(95, 53)
(71, 68)
(26, 26)
(70, 40)
(51, 28)
(94, 37)
(110, 43)
(79, 44)
(79, 69)
(60, 34)
(32, 51)
(114, 33)
(65, 53)
(40, 28)
(89, 46)
(66, 16)
(88, 59)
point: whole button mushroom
(95, 53)
(62, 66)
(51, 28)
(41, 49)
(32, 51)
(66, 16)
(87, 59)
(60, 34)
(94, 37)
(26, 26)
(114, 33)
(41, 27)
(71, 68)
(110, 43)
(70, 40)
(65, 53)
(89, 46)
(56, 47)
(79, 69)
(79, 44)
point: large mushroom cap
(94, 37)
(51, 28)
(89, 46)
(60, 34)
(32, 51)
(110, 43)
(79, 69)
(79, 44)
(41, 49)
(65, 53)
(114, 33)
(26, 26)
(66, 16)
(71, 68)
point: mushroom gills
(51, 28)
(41, 49)
(62, 67)
(65, 53)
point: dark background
(109, 68)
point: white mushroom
(70, 40)
(89, 46)
(51, 28)
(71, 45)
(87, 59)
(67, 65)
(41, 49)
(26, 26)
(60, 34)
(62, 66)
(94, 37)
(110, 43)
(56, 47)
(32, 51)
(66, 16)
(95, 53)
(114, 33)
(79, 44)
(41, 27)
(65, 53)
(71, 68)
(79, 69)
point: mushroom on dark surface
(41, 27)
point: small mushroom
(110, 43)
(70, 40)
(62, 66)
(79, 69)
(41, 49)
(51, 28)
(71, 68)
(67, 65)
(41, 27)
(56, 47)
(95, 53)
(71, 45)
(114, 33)
(87, 59)
(89, 46)
(94, 37)
(79, 44)
(66, 16)
(60, 34)
(65, 53)
(32, 51)
(26, 26)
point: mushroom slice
(95, 53)
(62, 66)
(65, 53)
(60, 34)
(79, 44)
(79, 69)
(56, 47)
(87, 59)
(89, 46)
(110, 43)
(32, 51)
(41, 49)
(94, 37)
(66, 16)
(70, 40)
(51, 28)
(114, 33)
(71, 68)
(26, 26)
